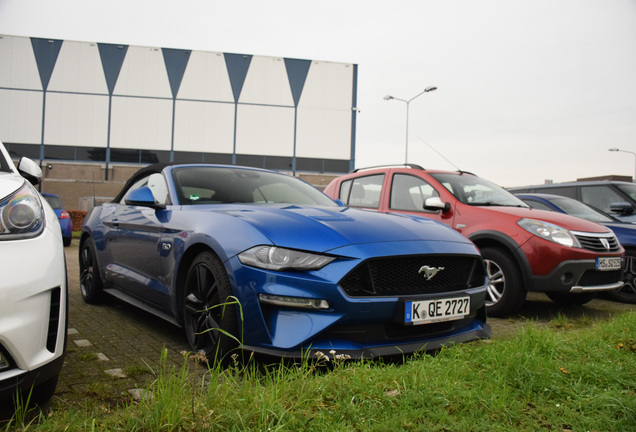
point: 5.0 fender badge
(429, 272)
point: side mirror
(436, 203)
(30, 170)
(622, 207)
(143, 197)
(340, 203)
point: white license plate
(608, 263)
(430, 311)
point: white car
(33, 289)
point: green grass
(553, 378)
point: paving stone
(117, 373)
(82, 343)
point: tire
(67, 241)
(506, 292)
(90, 280)
(627, 293)
(570, 299)
(209, 312)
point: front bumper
(576, 277)
(360, 325)
(33, 310)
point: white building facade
(118, 104)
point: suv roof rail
(410, 165)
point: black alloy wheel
(209, 309)
(90, 280)
(627, 293)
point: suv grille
(398, 276)
(598, 242)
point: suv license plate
(608, 263)
(431, 311)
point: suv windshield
(476, 191)
(578, 209)
(628, 189)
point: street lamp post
(632, 153)
(408, 102)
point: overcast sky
(528, 90)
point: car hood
(9, 183)
(563, 220)
(327, 228)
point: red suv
(568, 258)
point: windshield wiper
(494, 204)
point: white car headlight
(21, 214)
(550, 232)
(279, 259)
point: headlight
(21, 214)
(276, 258)
(550, 232)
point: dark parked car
(62, 215)
(568, 258)
(616, 198)
(264, 261)
(625, 231)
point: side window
(569, 192)
(362, 191)
(159, 188)
(140, 183)
(600, 197)
(409, 192)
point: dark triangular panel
(176, 61)
(237, 67)
(297, 74)
(46, 52)
(112, 59)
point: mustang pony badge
(429, 272)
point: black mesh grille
(406, 275)
(595, 243)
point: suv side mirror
(622, 207)
(29, 170)
(436, 203)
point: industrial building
(93, 113)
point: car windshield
(217, 185)
(476, 191)
(578, 209)
(628, 189)
(54, 201)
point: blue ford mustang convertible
(251, 259)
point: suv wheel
(506, 293)
(627, 293)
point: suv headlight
(550, 232)
(21, 214)
(276, 258)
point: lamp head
(388, 97)
(430, 89)
(613, 149)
